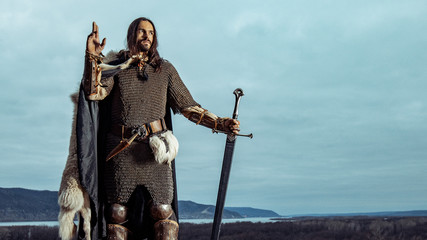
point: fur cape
(79, 191)
(72, 197)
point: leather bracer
(94, 89)
(205, 118)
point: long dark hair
(154, 58)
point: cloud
(334, 94)
(247, 20)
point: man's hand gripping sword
(238, 94)
(226, 167)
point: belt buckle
(140, 130)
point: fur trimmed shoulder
(115, 57)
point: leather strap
(145, 129)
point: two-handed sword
(225, 172)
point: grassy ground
(338, 228)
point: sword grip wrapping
(239, 94)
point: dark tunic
(136, 100)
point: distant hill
(192, 210)
(252, 212)
(18, 204)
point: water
(35, 223)
(196, 221)
(232, 220)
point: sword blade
(223, 184)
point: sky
(335, 95)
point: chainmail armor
(136, 100)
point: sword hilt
(239, 94)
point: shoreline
(194, 221)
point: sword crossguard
(234, 134)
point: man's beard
(144, 47)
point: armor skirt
(136, 166)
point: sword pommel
(238, 92)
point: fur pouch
(165, 147)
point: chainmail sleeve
(179, 97)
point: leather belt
(143, 130)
